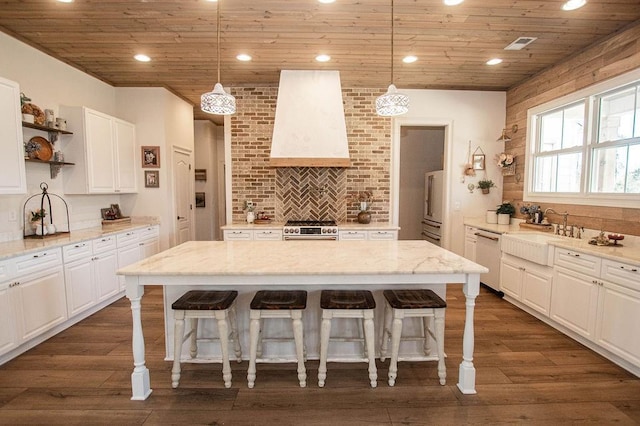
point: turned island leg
(140, 381)
(467, 372)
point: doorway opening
(421, 150)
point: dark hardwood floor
(526, 372)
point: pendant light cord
(218, 38)
(392, 41)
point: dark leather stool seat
(414, 299)
(347, 299)
(279, 299)
(205, 300)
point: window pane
(617, 115)
(573, 126)
(550, 132)
(569, 168)
(616, 170)
(545, 174)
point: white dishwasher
(488, 254)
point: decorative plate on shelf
(43, 150)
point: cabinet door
(100, 152)
(107, 283)
(536, 290)
(12, 171)
(41, 303)
(267, 235)
(511, 279)
(470, 248)
(618, 321)
(574, 301)
(126, 256)
(79, 282)
(126, 155)
(7, 319)
(149, 247)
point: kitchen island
(312, 265)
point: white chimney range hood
(309, 128)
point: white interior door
(183, 195)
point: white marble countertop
(280, 225)
(481, 223)
(290, 258)
(18, 247)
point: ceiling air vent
(520, 43)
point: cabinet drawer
(577, 261)
(353, 235)
(126, 238)
(148, 233)
(383, 235)
(238, 235)
(38, 261)
(104, 244)
(624, 274)
(76, 251)
(270, 235)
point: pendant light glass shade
(218, 101)
(392, 103)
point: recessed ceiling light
(494, 61)
(409, 59)
(65, 1)
(326, 1)
(574, 4)
(142, 57)
(452, 2)
(244, 57)
(323, 58)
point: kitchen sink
(530, 246)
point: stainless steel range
(310, 230)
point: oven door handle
(430, 235)
(477, 234)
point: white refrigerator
(433, 204)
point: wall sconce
(504, 137)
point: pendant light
(393, 102)
(218, 101)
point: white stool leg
(298, 337)
(325, 331)
(223, 329)
(178, 332)
(259, 349)
(386, 333)
(427, 325)
(396, 333)
(193, 347)
(369, 336)
(439, 330)
(254, 331)
(233, 318)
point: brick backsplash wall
(303, 193)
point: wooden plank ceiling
(100, 37)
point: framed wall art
(200, 199)
(152, 179)
(478, 162)
(201, 174)
(151, 157)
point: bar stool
(205, 304)
(425, 304)
(268, 304)
(358, 304)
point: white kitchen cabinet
(149, 241)
(38, 294)
(103, 149)
(90, 272)
(8, 335)
(12, 169)
(526, 282)
(135, 245)
(470, 242)
(575, 299)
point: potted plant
(505, 211)
(485, 184)
(37, 220)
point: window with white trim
(585, 148)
